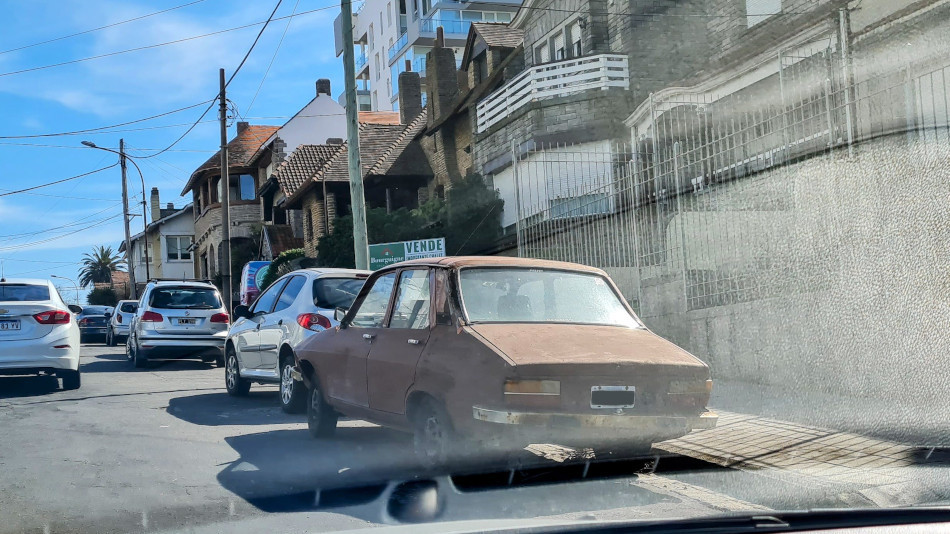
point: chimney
(171, 205)
(334, 140)
(442, 83)
(241, 126)
(410, 94)
(323, 87)
(156, 205)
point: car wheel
(139, 359)
(293, 394)
(71, 379)
(129, 352)
(432, 435)
(321, 418)
(110, 338)
(236, 386)
(219, 360)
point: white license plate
(10, 325)
(185, 322)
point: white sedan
(262, 338)
(38, 331)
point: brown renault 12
(481, 348)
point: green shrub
(103, 296)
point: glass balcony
(448, 26)
(398, 45)
(360, 61)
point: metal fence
(707, 195)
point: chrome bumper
(640, 423)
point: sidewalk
(899, 420)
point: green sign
(385, 254)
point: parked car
(178, 319)
(93, 321)
(528, 351)
(261, 341)
(119, 321)
(38, 331)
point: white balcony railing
(549, 80)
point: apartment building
(393, 36)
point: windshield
(332, 293)
(523, 295)
(23, 292)
(128, 307)
(192, 298)
(95, 310)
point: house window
(380, 23)
(542, 54)
(370, 34)
(248, 187)
(576, 49)
(141, 251)
(389, 14)
(759, 10)
(378, 70)
(559, 51)
(176, 247)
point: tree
(102, 296)
(97, 267)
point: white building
(388, 33)
(170, 237)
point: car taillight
(311, 321)
(52, 317)
(84, 321)
(220, 318)
(152, 317)
(118, 318)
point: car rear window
(128, 307)
(524, 295)
(185, 298)
(335, 293)
(23, 292)
(95, 310)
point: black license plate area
(612, 396)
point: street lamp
(75, 286)
(122, 157)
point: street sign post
(384, 254)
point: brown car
(481, 348)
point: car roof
(32, 281)
(125, 301)
(319, 271)
(179, 283)
(456, 262)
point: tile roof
(302, 164)
(379, 117)
(281, 238)
(241, 151)
(499, 34)
(380, 147)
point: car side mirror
(339, 314)
(75, 308)
(107, 315)
(242, 311)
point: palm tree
(98, 266)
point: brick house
(246, 171)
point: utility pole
(226, 196)
(357, 200)
(133, 292)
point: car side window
(371, 312)
(411, 308)
(266, 301)
(289, 294)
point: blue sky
(126, 87)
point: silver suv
(178, 319)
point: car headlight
(690, 387)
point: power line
(24, 47)
(156, 45)
(47, 240)
(233, 74)
(57, 181)
(80, 147)
(274, 57)
(101, 128)
(81, 220)
(62, 196)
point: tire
(433, 437)
(71, 379)
(110, 338)
(321, 418)
(293, 394)
(139, 359)
(219, 360)
(129, 351)
(236, 386)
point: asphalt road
(166, 449)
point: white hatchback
(261, 341)
(38, 331)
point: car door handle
(412, 341)
(369, 336)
